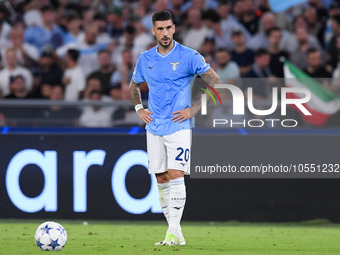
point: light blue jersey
(168, 78)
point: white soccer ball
(50, 236)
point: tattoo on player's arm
(135, 94)
(212, 78)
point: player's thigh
(156, 153)
(178, 147)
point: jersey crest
(174, 65)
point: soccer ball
(50, 236)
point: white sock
(164, 191)
(176, 205)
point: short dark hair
(236, 31)
(13, 78)
(311, 50)
(59, 86)
(105, 51)
(297, 17)
(71, 15)
(74, 54)
(99, 16)
(162, 16)
(223, 50)
(211, 15)
(260, 52)
(130, 29)
(223, 2)
(47, 8)
(273, 29)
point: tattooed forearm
(212, 78)
(135, 95)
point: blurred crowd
(87, 50)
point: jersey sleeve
(198, 64)
(137, 73)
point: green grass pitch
(126, 237)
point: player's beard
(165, 45)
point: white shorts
(169, 151)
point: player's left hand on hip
(181, 115)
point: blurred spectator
(5, 29)
(97, 115)
(115, 22)
(45, 91)
(321, 12)
(335, 84)
(57, 115)
(314, 67)
(314, 23)
(208, 49)
(276, 55)
(88, 49)
(263, 6)
(298, 56)
(176, 10)
(18, 88)
(227, 69)
(11, 69)
(74, 33)
(224, 8)
(26, 53)
(290, 43)
(36, 87)
(242, 56)
(195, 36)
(260, 40)
(100, 21)
(200, 4)
(120, 78)
(249, 18)
(336, 32)
(103, 5)
(159, 5)
(124, 42)
(238, 9)
(105, 71)
(92, 84)
(334, 9)
(282, 19)
(50, 72)
(48, 35)
(73, 78)
(222, 31)
(147, 6)
(19, 115)
(333, 61)
(32, 15)
(262, 77)
(88, 15)
(141, 39)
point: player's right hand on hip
(144, 115)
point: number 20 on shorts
(183, 154)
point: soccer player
(167, 69)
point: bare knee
(174, 174)
(170, 175)
(162, 177)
